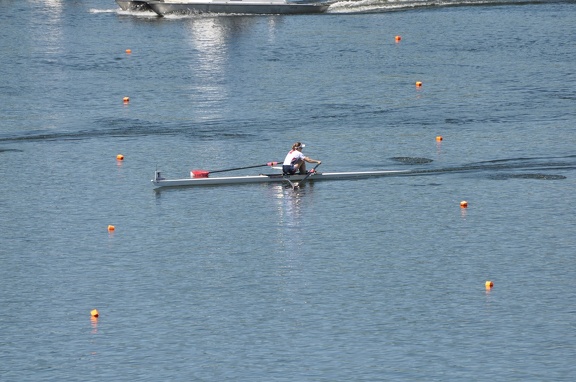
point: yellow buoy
(439, 138)
(126, 99)
(111, 228)
(418, 84)
(94, 313)
(128, 51)
(464, 204)
(489, 284)
(120, 157)
(397, 38)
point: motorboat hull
(238, 7)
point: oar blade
(199, 173)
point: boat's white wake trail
(121, 12)
(92, 10)
(359, 6)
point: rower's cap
(302, 145)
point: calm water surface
(378, 279)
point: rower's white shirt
(293, 157)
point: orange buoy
(439, 138)
(489, 284)
(120, 157)
(463, 204)
(418, 84)
(397, 38)
(126, 99)
(128, 51)
(111, 228)
(94, 313)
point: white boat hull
(236, 6)
(159, 182)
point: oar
(204, 173)
(313, 171)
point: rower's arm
(310, 160)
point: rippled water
(374, 279)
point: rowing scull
(159, 181)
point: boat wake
(538, 168)
(10, 150)
(411, 160)
(92, 10)
(118, 11)
(375, 6)
(527, 176)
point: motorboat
(167, 7)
